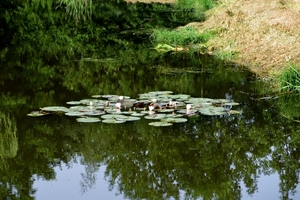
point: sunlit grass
(196, 4)
(183, 37)
(290, 78)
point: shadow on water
(207, 157)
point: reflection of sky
(268, 189)
(67, 186)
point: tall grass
(290, 79)
(183, 37)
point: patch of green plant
(197, 5)
(225, 55)
(183, 37)
(290, 79)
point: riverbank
(264, 34)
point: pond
(252, 154)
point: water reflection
(208, 157)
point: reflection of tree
(8, 138)
(207, 158)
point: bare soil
(264, 33)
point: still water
(245, 156)
(251, 155)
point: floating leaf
(128, 112)
(155, 116)
(175, 120)
(113, 121)
(88, 119)
(37, 114)
(97, 96)
(131, 118)
(213, 111)
(112, 116)
(81, 108)
(232, 112)
(74, 102)
(161, 123)
(165, 110)
(95, 113)
(109, 96)
(173, 115)
(185, 111)
(231, 104)
(55, 109)
(74, 113)
(138, 114)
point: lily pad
(185, 111)
(97, 96)
(74, 113)
(88, 119)
(165, 110)
(231, 104)
(161, 123)
(81, 108)
(175, 120)
(132, 118)
(74, 102)
(95, 113)
(112, 116)
(128, 112)
(174, 115)
(160, 92)
(155, 116)
(113, 121)
(88, 101)
(137, 114)
(232, 112)
(37, 114)
(213, 111)
(108, 96)
(55, 109)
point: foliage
(225, 55)
(8, 138)
(197, 4)
(181, 37)
(77, 9)
(290, 79)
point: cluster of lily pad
(163, 107)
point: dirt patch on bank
(264, 33)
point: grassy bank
(262, 35)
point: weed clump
(290, 79)
(183, 37)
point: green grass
(196, 4)
(183, 37)
(290, 79)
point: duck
(139, 105)
(155, 104)
(171, 104)
(125, 103)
